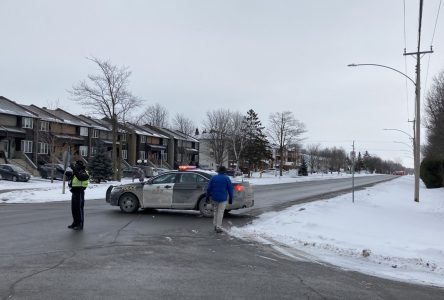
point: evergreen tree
(366, 160)
(100, 166)
(303, 171)
(359, 164)
(256, 146)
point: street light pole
(414, 147)
(416, 141)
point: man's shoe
(77, 228)
(71, 226)
(218, 229)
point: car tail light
(238, 188)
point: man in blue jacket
(219, 190)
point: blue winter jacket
(220, 188)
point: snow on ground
(38, 190)
(404, 239)
(274, 178)
(42, 190)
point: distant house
(146, 145)
(17, 134)
(72, 135)
(32, 135)
(48, 145)
(182, 148)
(206, 157)
(100, 135)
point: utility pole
(414, 150)
(353, 155)
(417, 123)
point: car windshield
(17, 169)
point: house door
(4, 146)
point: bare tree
(313, 155)
(217, 127)
(54, 104)
(155, 115)
(434, 109)
(183, 124)
(284, 130)
(107, 95)
(237, 135)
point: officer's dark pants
(77, 204)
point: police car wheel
(128, 203)
(205, 207)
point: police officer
(78, 183)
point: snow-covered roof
(138, 130)
(94, 123)
(43, 114)
(67, 117)
(12, 129)
(178, 135)
(9, 107)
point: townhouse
(182, 148)
(32, 135)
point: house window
(84, 131)
(43, 148)
(26, 146)
(83, 150)
(44, 126)
(125, 154)
(143, 139)
(27, 123)
(93, 150)
(142, 155)
(123, 137)
(95, 133)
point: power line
(436, 21)
(431, 43)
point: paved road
(166, 255)
(270, 197)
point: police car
(175, 190)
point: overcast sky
(195, 56)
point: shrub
(432, 173)
(100, 166)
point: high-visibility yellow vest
(77, 183)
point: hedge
(432, 173)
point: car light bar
(185, 168)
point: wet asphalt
(164, 254)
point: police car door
(158, 193)
(189, 187)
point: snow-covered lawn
(383, 233)
(42, 190)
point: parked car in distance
(13, 172)
(133, 172)
(158, 171)
(233, 173)
(175, 190)
(55, 170)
